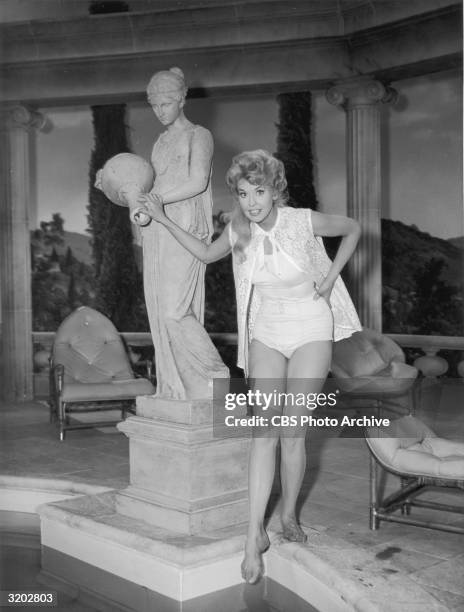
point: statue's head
(167, 83)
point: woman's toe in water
(252, 568)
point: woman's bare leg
(307, 371)
(268, 371)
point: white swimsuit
(289, 316)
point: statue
(185, 357)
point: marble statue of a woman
(186, 359)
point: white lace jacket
(293, 232)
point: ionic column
(17, 127)
(361, 99)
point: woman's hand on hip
(323, 290)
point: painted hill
(405, 250)
(80, 246)
(457, 242)
(422, 279)
(419, 293)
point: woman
(186, 359)
(284, 284)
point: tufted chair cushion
(90, 348)
(410, 448)
(91, 370)
(370, 363)
(365, 353)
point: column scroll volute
(358, 92)
(23, 117)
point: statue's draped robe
(186, 359)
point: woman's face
(166, 108)
(256, 201)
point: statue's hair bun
(170, 82)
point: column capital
(354, 93)
(22, 117)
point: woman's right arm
(207, 253)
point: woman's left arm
(200, 155)
(336, 225)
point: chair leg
(403, 484)
(373, 519)
(62, 418)
(373, 504)
(405, 508)
(52, 409)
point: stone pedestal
(361, 99)
(183, 477)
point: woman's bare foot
(252, 564)
(292, 531)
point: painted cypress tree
(54, 256)
(118, 281)
(72, 293)
(294, 147)
(68, 259)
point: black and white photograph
(232, 305)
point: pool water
(20, 565)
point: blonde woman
(291, 306)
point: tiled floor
(30, 447)
(335, 491)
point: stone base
(87, 543)
(225, 511)
(183, 476)
(118, 564)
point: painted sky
(421, 149)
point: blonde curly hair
(258, 167)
